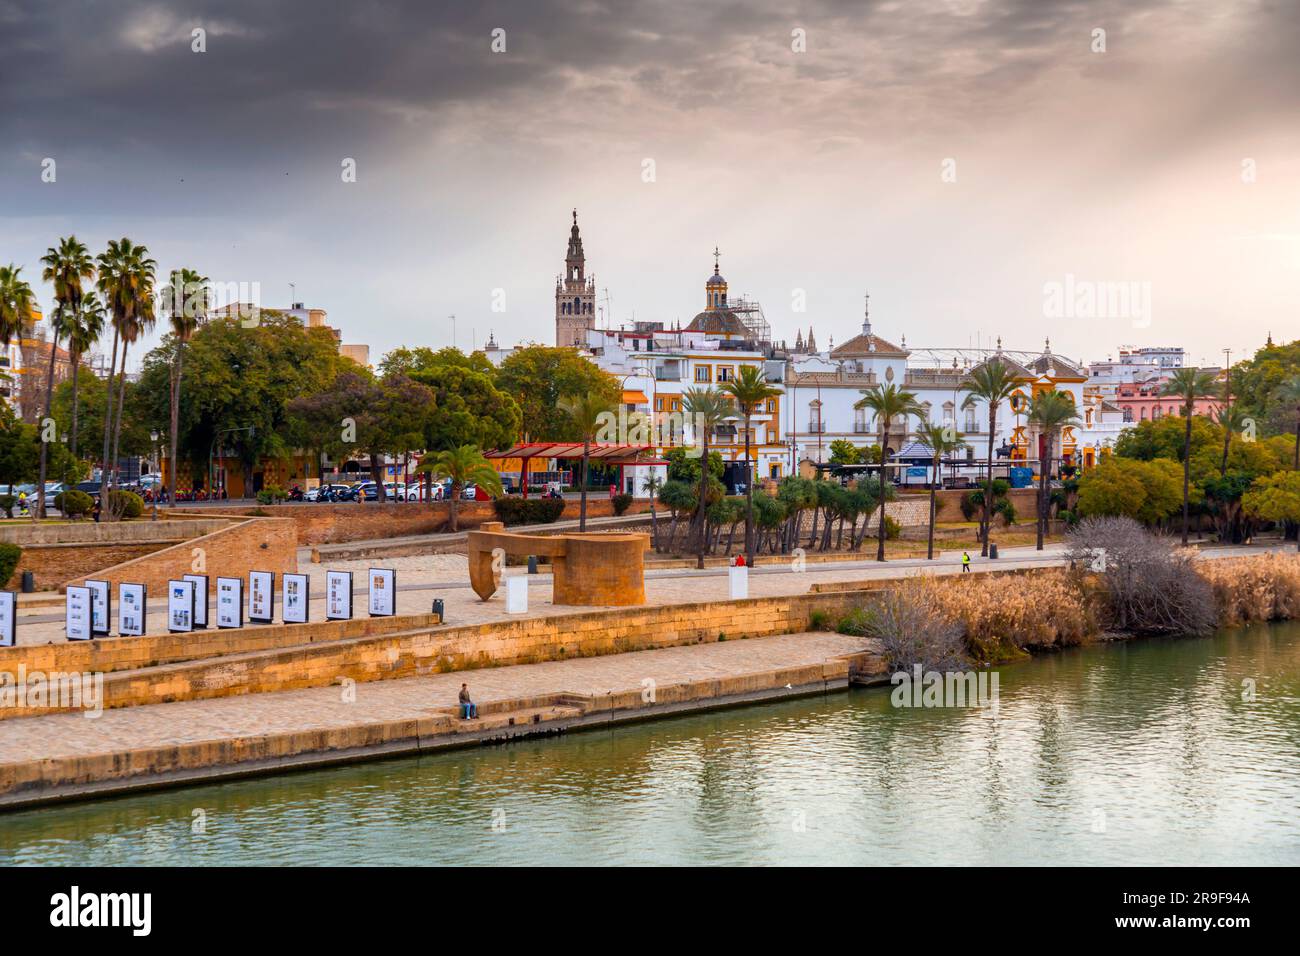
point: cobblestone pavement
(59, 735)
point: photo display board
(180, 606)
(77, 617)
(200, 597)
(295, 604)
(131, 613)
(8, 618)
(101, 608)
(338, 595)
(230, 602)
(383, 592)
(261, 597)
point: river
(1145, 752)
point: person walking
(965, 562)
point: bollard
(437, 609)
(29, 582)
(532, 564)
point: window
(971, 426)
(724, 373)
(1128, 413)
(703, 373)
(771, 406)
(860, 421)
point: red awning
(611, 452)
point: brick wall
(53, 564)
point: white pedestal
(517, 594)
(739, 578)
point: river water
(1146, 752)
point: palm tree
(942, 440)
(67, 265)
(464, 465)
(16, 304)
(749, 390)
(1188, 384)
(888, 402)
(1051, 412)
(708, 409)
(588, 413)
(188, 307)
(1233, 418)
(993, 383)
(651, 484)
(83, 331)
(1288, 393)
(126, 278)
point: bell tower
(575, 295)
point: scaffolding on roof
(751, 314)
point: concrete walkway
(449, 581)
(71, 755)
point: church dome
(716, 279)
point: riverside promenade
(689, 648)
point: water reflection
(1132, 753)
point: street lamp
(153, 437)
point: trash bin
(993, 551)
(532, 564)
(29, 582)
(437, 609)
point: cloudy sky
(955, 158)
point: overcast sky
(816, 160)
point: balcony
(816, 428)
(862, 428)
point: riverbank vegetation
(1123, 581)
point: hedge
(528, 510)
(126, 504)
(73, 502)
(9, 556)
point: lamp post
(153, 437)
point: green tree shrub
(126, 504)
(74, 503)
(9, 557)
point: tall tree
(126, 278)
(1051, 412)
(84, 330)
(1188, 385)
(748, 391)
(993, 383)
(587, 412)
(888, 403)
(537, 378)
(67, 265)
(942, 440)
(187, 307)
(1287, 394)
(707, 408)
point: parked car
(52, 488)
(90, 487)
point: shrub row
(528, 510)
